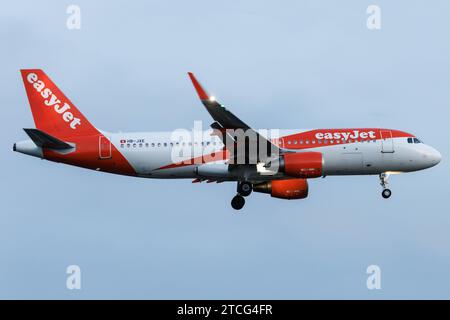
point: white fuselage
(155, 154)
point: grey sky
(291, 64)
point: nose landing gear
(244, 189)
(386, 193)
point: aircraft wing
(225, 120)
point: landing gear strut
(386, 193)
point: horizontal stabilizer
(44, 140)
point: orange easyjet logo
(52, 100)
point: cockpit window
(414, 140)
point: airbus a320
(276, 162)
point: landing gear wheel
(244, 188)
(386, 193)
(238, 202)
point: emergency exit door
(387, 143)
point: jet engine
(284, 189)
(300, 164)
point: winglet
(202, 94)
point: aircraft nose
(435, 156)
(429, 157)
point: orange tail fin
(52, 111)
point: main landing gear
(238, 202)
(386, 193)
(244, 189)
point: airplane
(278, 162)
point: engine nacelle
(302, 164)
(284, 189)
